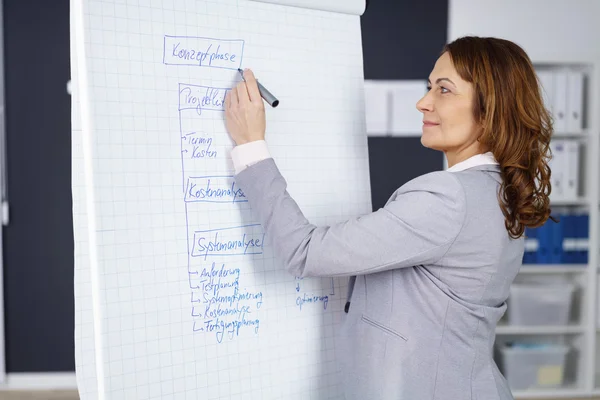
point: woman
(432, 269)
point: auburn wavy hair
(516, 126)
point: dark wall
(401, 40)
(395, 161)
(38, 242)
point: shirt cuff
(249, 153)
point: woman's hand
(245, 111)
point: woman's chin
(430, 142)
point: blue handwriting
(200, 146)
(199, 98)
(231, 328)
(208, 243)
(202, 52)
(213, 189)
(300, 301)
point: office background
(401, 41)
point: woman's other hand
(245, 111)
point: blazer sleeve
(417, 226)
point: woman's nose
(425, 104)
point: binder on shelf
(582, 226)
(559, 101)
(574, 120)
(545, 243)
(546, 79)
(565, 170)
(531, 246)
(565, 242)
(557, 165)
(556, 241)
(569, 237)
(563, 95)
(571, 173)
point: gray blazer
(432, 271)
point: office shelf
(539, 330)
(582, 201)
(583, 337)
(566, 392)
(582, 135)
(553, 268)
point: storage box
(540, 304)
(534, 366)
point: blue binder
(545, 237)
(569, 235)
(530, 254)
(582, 234)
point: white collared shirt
(247, 154)
(474, 161)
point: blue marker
(264, 93)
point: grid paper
(178, 295)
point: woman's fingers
(245, 116)
(252, 86)
(228, 100)
(234, 96)
(242, 93)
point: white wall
(549, 30)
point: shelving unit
(554, 269)
(568, 203)
(566, 392)
(539, 330)
(582, 333)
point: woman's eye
(441, 89)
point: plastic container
(540, 304)
(534, 367)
